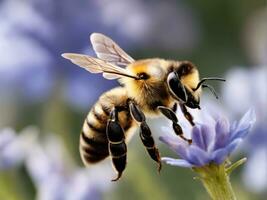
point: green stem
(216, 181)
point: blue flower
(55, 176)
(15, 148)
(52, 171)
(212, 142)
(37, 37)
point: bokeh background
(44, 98)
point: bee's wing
(106, 49)
(95, 65)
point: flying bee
(149, 87)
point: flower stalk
(216, 181)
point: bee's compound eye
(176, 87)
(143, 76)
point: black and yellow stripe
(93, 138)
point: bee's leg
(174, 107)
(116, 143)
(145, 133)
(187, 114)
(167, 112)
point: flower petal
(244, 125)
(222, 129)
(16, 150)
(233, 126)
(208, 135)
(220, 155)
(176, 162)
(197, 156)
(248, 118)
(197, 137)
(176, 144)
(211, 142)
(202, 136)
(233, 145)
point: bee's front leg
(174, 107)
(167, 112)
(145, 133)
(116, 145)
(187, 114)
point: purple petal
(176, 162)
(176, 144)
(197, 137)
(222, 129)
(197, 156)
(233, 126)
(248, 118)
(207, 134)
(202, 136)
(244, 125)
(220, 155)
(233, 145)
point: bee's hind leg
(167, 112)
(117, 146)
(145, 133)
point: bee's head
(181, 80)
(185, 86)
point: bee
(149, 87)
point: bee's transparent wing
(106, 49)
(95, 65)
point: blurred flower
(56, 177)
(246, 86)
(249, 87)
(15, 148)
(22, 55)
(51, 169)
(213, 141)
(36, 34)
(255, 171)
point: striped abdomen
(93, 139)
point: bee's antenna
(206, 79)
(122, 74)
(211, 89)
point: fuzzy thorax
(150, 92)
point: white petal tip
(252, 113)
